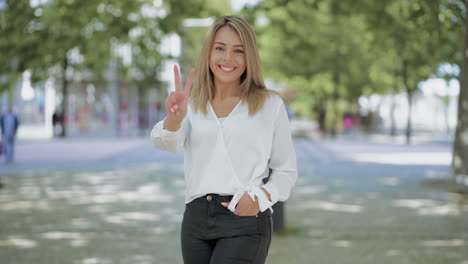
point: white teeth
(226, 69)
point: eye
(239, 51)
(219, 48)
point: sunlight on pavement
(121, 196)
(432, 174)
(25, 205)
(108, 188)
(76, 239)
(448, 209)
(337, 198)
(159, 230)
(429, 207)
(64, 235)
(96, 179)
(70, 193)
(389, 181)
(343, 243)
(80, 223)
(18, 242)
(30, 192)
(414, 203)
(309, 189)
(95, 261)
(97, 209)
(328, 206)
(340, 211)
(393, 253)
(126, 217)
(405, 158)
(100, 199)
(444, 243)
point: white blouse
(232, 156)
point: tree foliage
(341, 50)
(17, 44)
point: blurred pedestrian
(348, 123)
(232, 130)
(9, 123)
(322, 115)
(57, 123)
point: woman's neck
(226, 90)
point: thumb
(225, 204)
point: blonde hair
(253, 90)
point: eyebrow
(224, 44)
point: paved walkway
(84, 153)
(118, 200)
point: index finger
(176, 78)
(188, 83)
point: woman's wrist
(171, 124)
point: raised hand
(177, 101)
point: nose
(227, 56)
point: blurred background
(365, 82)
(104, 66)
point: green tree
(318, 49)
(41, 38)
(460, 148)
(63, 38)
(18, 43)
(412, 34)
(91, 27)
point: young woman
(233, 131)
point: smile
(226, 68)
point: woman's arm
(282, 159)
(283, 175)
(170, 133)
(168, 140)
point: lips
(226, 69)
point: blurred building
(434, 108)
(95, 108)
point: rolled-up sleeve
(172, 141)
(282, 160)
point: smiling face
(227, 59)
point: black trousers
(211, 234)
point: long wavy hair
(253, 90)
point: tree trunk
(409, 123)
(460, 149)
(113, 92)
(142, 115)
(410, 101)
(64, 110)
(336, 116)
(392, 115)
(446, 100)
